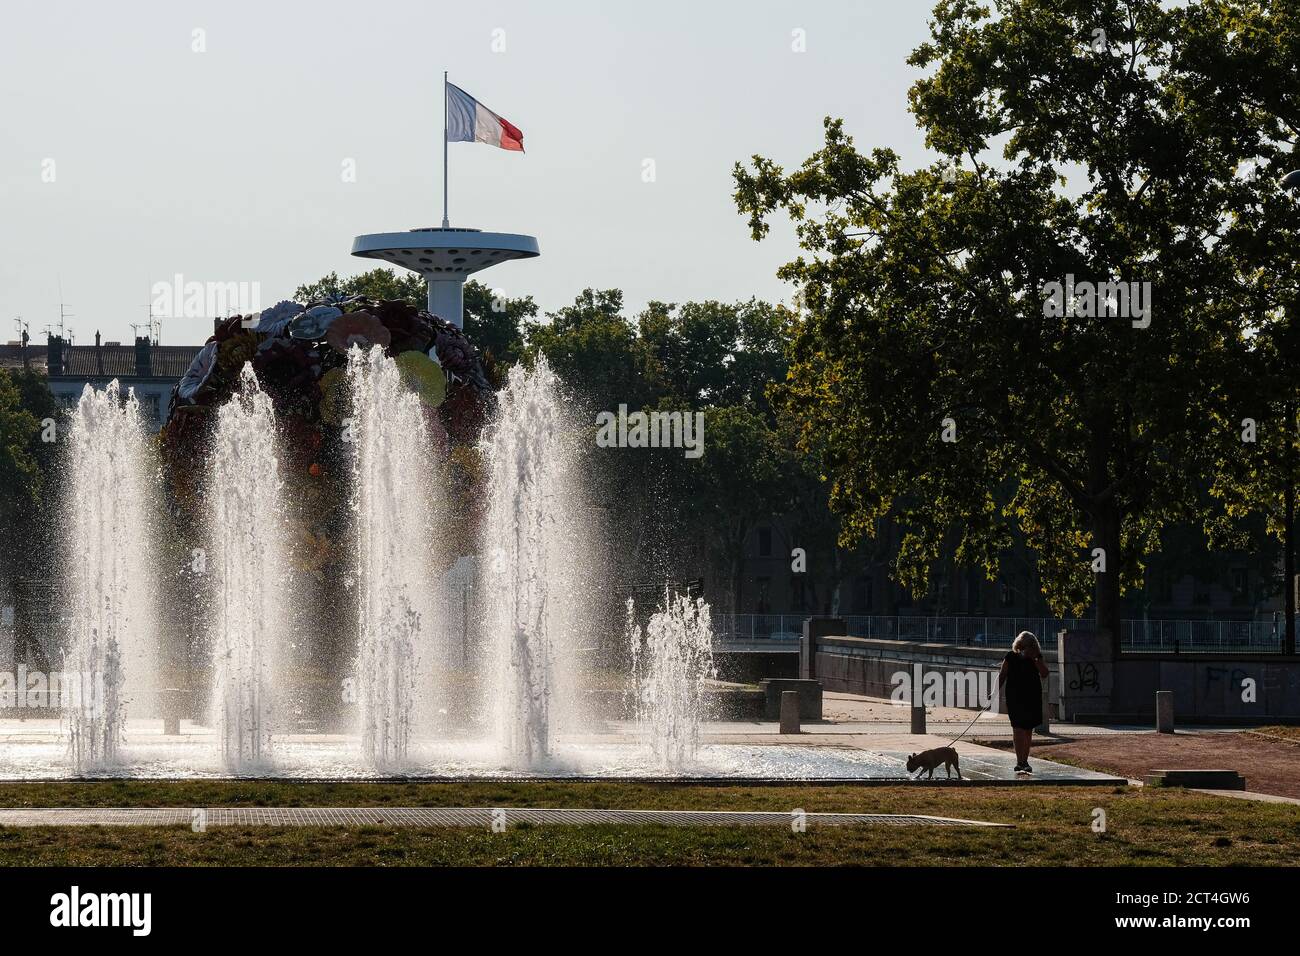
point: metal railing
(1138, 636)
(741, 628)
(1203, 637)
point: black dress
(1024, 690)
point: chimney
(143, 357)
(54, 355)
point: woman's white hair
(1025, 640)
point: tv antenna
(21, 326)
(64, 332)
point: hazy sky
(227, 165)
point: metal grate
(441, 817)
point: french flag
(469, 121)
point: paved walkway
(1245, 795)
(199, 818)
(853, 713)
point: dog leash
(969, 726)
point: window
(1240, 582)
(764, 542)
(1240, 586)
(1006, 593)
(1201, 593)
(762, 605)
(149, 407)
(862, 596)
(799, 594)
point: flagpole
(445, 223)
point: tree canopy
(1099, 142)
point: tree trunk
(737, 579)
(839, 574)
(1288, 545)
(1106, 535)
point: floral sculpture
(299, 354)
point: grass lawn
(1280, 732)
(1052, 827)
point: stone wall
(1087, 681)
(1207, 688)
(861, 665)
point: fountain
(111, 653)
(392, 489)
(464, 668)
(247, 532)
(671, 663)
(532, 549)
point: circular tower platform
(445, 257)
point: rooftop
(110, 360)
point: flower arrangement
(299, 354)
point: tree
(744, 477)
(378, 283)
(28, 472)
(593, 347)
(495, 323)
(1253, 437)
(21, 478)
(1242, 83)
(930, 314)
(715, 353)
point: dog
(929, 759)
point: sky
(249, 142)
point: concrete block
(171, 725)
(1087, 665)
(1196, 779)
(918, 719)
(1165, 711)
(789, 712)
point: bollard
(1045, 727)
(789, 712)
(918, 719)
(170, 705)
(1165, 711)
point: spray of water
(394, 494)
(113, 640)
(250, 563)
(671, 662)
(533, 550)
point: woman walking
(1022, 673)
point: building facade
(148, 369)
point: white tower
(445, 257)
